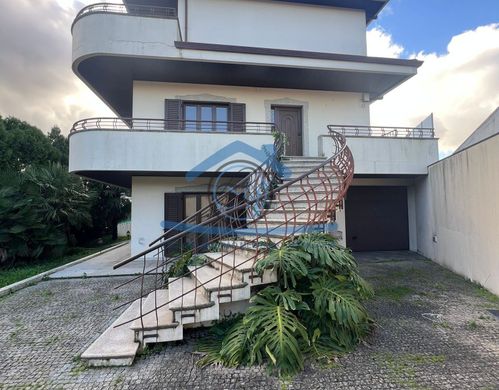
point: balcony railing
(146, 124)
(383, 131)
(134, 10)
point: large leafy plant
(315, 310)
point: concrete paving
(102, 265)
(434, 331)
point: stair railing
(321, 189)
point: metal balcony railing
(148, 124)
(383, 131)
(131, 9)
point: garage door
(376, 219)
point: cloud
(36, 80)
(461, 87)
(380, 44)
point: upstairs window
(206, 116)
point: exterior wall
(275, 25)
(156, 151)
(487, 129)
(319, 108)
(148, 201)
(459, 209)
(385, 155)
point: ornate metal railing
(261, 205)
(383, 131)
(130, 9)
(147, 124)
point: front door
(289, 121)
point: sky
(458, 40)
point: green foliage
(22, 145)
(43, 208)
(290, 263)
(316, 310)
(180, 267)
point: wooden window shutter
(174, 212)
(174, 208)
(173, 114)
(237, 114)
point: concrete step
(160, 325)
(194, 306)
(221, 287)
(117, 345)
(273, 232)
(300, 159)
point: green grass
(402, 368)
(395, 293)
(17, 273)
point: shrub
(314, 310)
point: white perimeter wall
(458, 204)
(320, 108)
(276, 25)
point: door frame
(301, 127)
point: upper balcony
(246, 43)
(390, 151)
(113, 150)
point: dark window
(206, 116)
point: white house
(189, 77)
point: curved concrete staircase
(299, 196)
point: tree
(22, 145)
(60, 144)
(109, 207)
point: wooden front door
(289, 121)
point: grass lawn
(20, 272)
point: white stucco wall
(488, 128)
(320, 108)
(276, 25)
(459, 205)
(148, 204)
(157, 151)
(134, 36)
(388, 155)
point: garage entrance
(377, 219)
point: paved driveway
(434, 331)
(102, 265)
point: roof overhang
(371, 7)
(112, 76)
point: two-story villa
(188, 78)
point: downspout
(185, 20)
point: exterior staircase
(299, 195)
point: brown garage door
(377, 219)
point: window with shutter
(174, 212)
(173, 114)
(238, 117)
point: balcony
(116, 44)
(113, 150)
(390, 151)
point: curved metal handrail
(383, 131)
(322, 188)
(130, 9)
(151, 124)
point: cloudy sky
(458, 82)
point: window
(206, 116)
